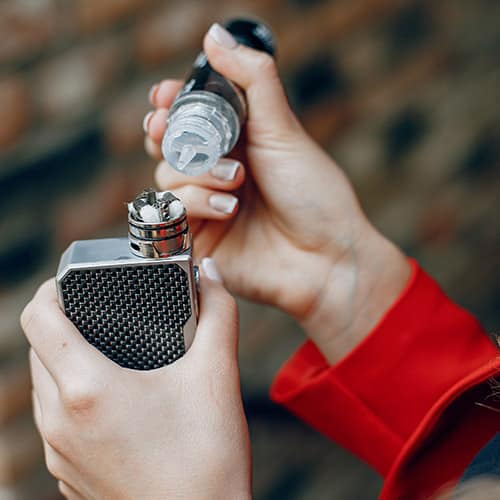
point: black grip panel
(134, 315)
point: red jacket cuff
(375, 398)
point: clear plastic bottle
(207, 116)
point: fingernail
(210, 269)
(145, 122)
(226, 170)
(152, 93)
(222, 36)
(225, 203)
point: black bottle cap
(254, 34)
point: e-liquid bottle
(207, 116)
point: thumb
(254, 71)
(218, 325)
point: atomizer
(135, 298)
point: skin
(297, 239)
(110, 432)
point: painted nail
(152, 93)
(210, 269)
(147, 119)
(226, 169)
(225, 203)
(222, 36)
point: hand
(293, 235)
(110, 432)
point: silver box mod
(135, 298)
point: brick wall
(404, 94)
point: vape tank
(135, 298)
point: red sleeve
(405, 399)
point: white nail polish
(222, 36)
(225, 203)
(226, 170)
(210, 269)
(145, 122)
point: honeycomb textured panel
(135, 315)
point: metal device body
(135, 298)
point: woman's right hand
(292, 234)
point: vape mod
(135, 298)
(206, 118)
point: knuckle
(218, 59)
(47, 287)
(231, 305)
(32, 312)
(55, 439)
(266, 64)
(28, 316)
(226, 304)
(52, 464)
(79, 397)
(188, 193)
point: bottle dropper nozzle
(194, 140)
(188, 152)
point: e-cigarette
(206, 117)
(135, 298)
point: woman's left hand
(109, 432)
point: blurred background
(403, 93)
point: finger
(218, 320)
(208, 236)
(152, 149)
(59, 465)
(256, 72)
(58, 344)
(56, 463)
(226, 175)
(155, 124)
(162, 94)
(44, 387)
(45, 401)
(37, 411)
(45, 396)
(202, 203)
(68, 492)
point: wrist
(360, 287)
